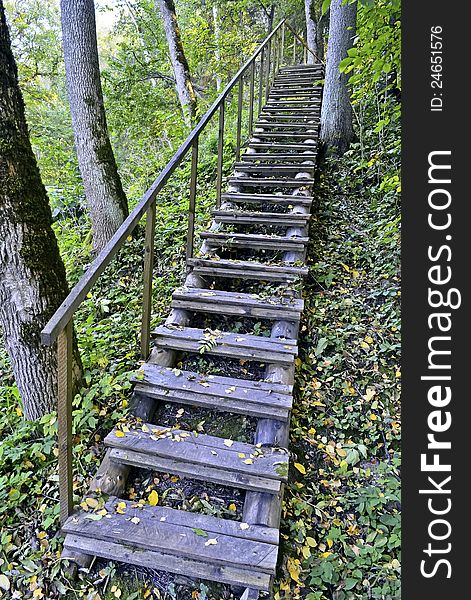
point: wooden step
(279, 157)
(266, 182)
(232, 345)
(237, 304)
(275, 199)
(243, 217)
(275, 169)
(167, 539)
(254, 241)
(275, 117)
(293, 126)
(312, 112)
(280, 146)
(284, 135)
(238, 269)
(252, 398)
(200, 456)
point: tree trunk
(104, 193)
(185, 91)
(32, 274)
(336, 113)
(311, 30)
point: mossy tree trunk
(181, 70)
(106, 200)
(32, 274)
(336, 113)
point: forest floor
(340, 522)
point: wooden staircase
(271, 188)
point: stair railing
(256, 75)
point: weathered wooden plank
(212, 525)
(250, 265)
(155, 532)
(281, 199)
(285, 134)
(311, 145)
(290, 126)
(265, 182)
(235, 303)
(223, 403)
(199, 471)
(274, 170)
(217, 268)
(166, 562)
(257, 217)
(257, 242)
(249, 347)
(274, 394)
(190, 447)
(279, 157)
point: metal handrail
(60, 326)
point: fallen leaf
(119, 434)
(135, 520)
(300, 468)
(244, 525)
(228, 443)
(153, 498)
(211, 542)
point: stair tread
(232, 345)
(253, 398)
(281, 157)
(172, 537)
(269, 198)
(248, 265)
(249, 240)
(199, 456)
(281, 146)
(246, 270)
(237, 303)
(268, 182)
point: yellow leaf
(329, 542)
(119, 434)
(294, 568)
(153, 498)
(91, 502)
(311, 542)
(369, 339)
(326, 554)
(373, 417)
(241, 455)
(306, 552)
(145, 429)
(232, 507)
(300, 468)
(248, 461)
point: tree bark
(311, 30)
(32, 274)
(185, 91)
(104, 193)
(336, 113)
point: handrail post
(64, 418)
(148, 277)
(239, 116)
(260, 88)
(267, 90)
(282, 44)
(220, 154)
(192, 201)
(252, 92)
